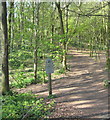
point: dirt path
(80, 93)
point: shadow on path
(80, 93)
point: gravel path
(80, 93)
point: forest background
(34, 31)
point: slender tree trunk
(52, 25)
(36, 42)
(66, 46)
(22, 24)
(33, 21)
(12, 41)
(10, 20)
(52, 29)
(103, 30)
(108, 42)
(1, 48)
(5, 69)
(1, 39)
(35, 64)
(63, 33)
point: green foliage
(84, 32)
(52, 96)
(61, 70)
(106, 83)
(23, 79)
(14, 62)
(20, 80)
(42, 77)
(16, 106)
(17, 59)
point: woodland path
(80, 93)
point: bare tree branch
(95, 10)
(87, 15)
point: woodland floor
(80, 92)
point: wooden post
(49, 70)
(50, 84)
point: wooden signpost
(49, 70)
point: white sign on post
(49, 66)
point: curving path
(80, 93)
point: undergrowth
(106, 83)
(25, 106)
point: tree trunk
(66, 19)
(62, 33)
(22, 24)
(5, 69)
(36, 42)
(10, 30)
(1, 48)
(108, 42)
